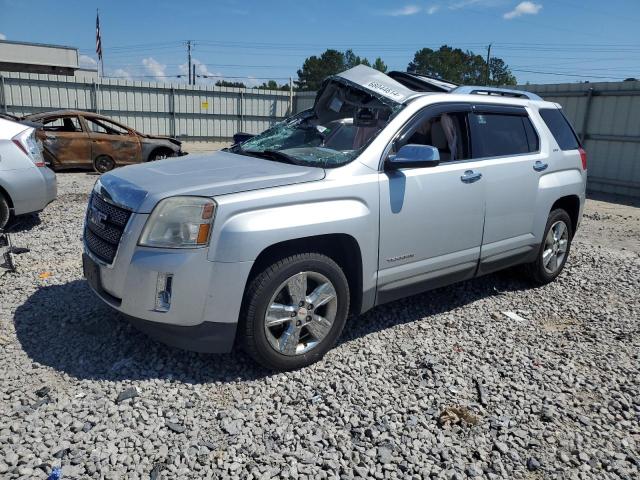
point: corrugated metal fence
(606, 115)
(199, 112)
(607, 119)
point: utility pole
(486, 81)
(194, 74)
(189, 59)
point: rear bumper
(32, 189)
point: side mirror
(414, 156)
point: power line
(565, 74)
(203, 76)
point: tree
(499, 73)
(273, 85)
(380, 65)
(351, 60)
(462, 67)
(226, 83)
(315, 69)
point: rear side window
(560, 128)
(498, 135)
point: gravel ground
(440, 385)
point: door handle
(540, 166)
(470, 176)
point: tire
(293, 342)
(544, 270)
(103, 164)
(5, 212)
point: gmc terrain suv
(389, 186)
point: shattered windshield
(344, 120)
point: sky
(543, 41)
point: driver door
(431, 218)
(113, 140)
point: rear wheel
(103, 164)
(294, 311)
(554, 250)
(5, 212)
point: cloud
(523, 8)
(122, 73)
(201, 69)
(404, 11)
(3, 36)
(87, 62)
(432, 9)
(475, 3)
(154, 67)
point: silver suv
(389, 186)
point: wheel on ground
(103, 164)
(554, 250)
(294, 311)
(5, 212)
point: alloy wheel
(555, 247)
(300, 313)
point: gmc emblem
(98, 217)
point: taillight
(583, 157)
(27, 142)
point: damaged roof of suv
(350, 110)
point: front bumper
(205, 300)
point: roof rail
(503, 92)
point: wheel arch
(342, 248)
(6, 196)
(571, 205)
(159, 148)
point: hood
(140, 187)
(161, 137)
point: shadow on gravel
(434, 302)
(67, 328)
(612, 198)
(23, 223)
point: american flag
(98, 39)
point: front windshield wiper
(272, 155)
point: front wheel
(554, 251)
(160, 155)
(294, 311)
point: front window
(344, 120)
(101, 125)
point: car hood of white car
(140, 187)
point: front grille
(103, 228)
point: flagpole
(99, 46)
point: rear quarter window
(560, 128)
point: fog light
(163, 292)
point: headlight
(179, 222)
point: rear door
(66, 143)
(506, 142)
(113, 140)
